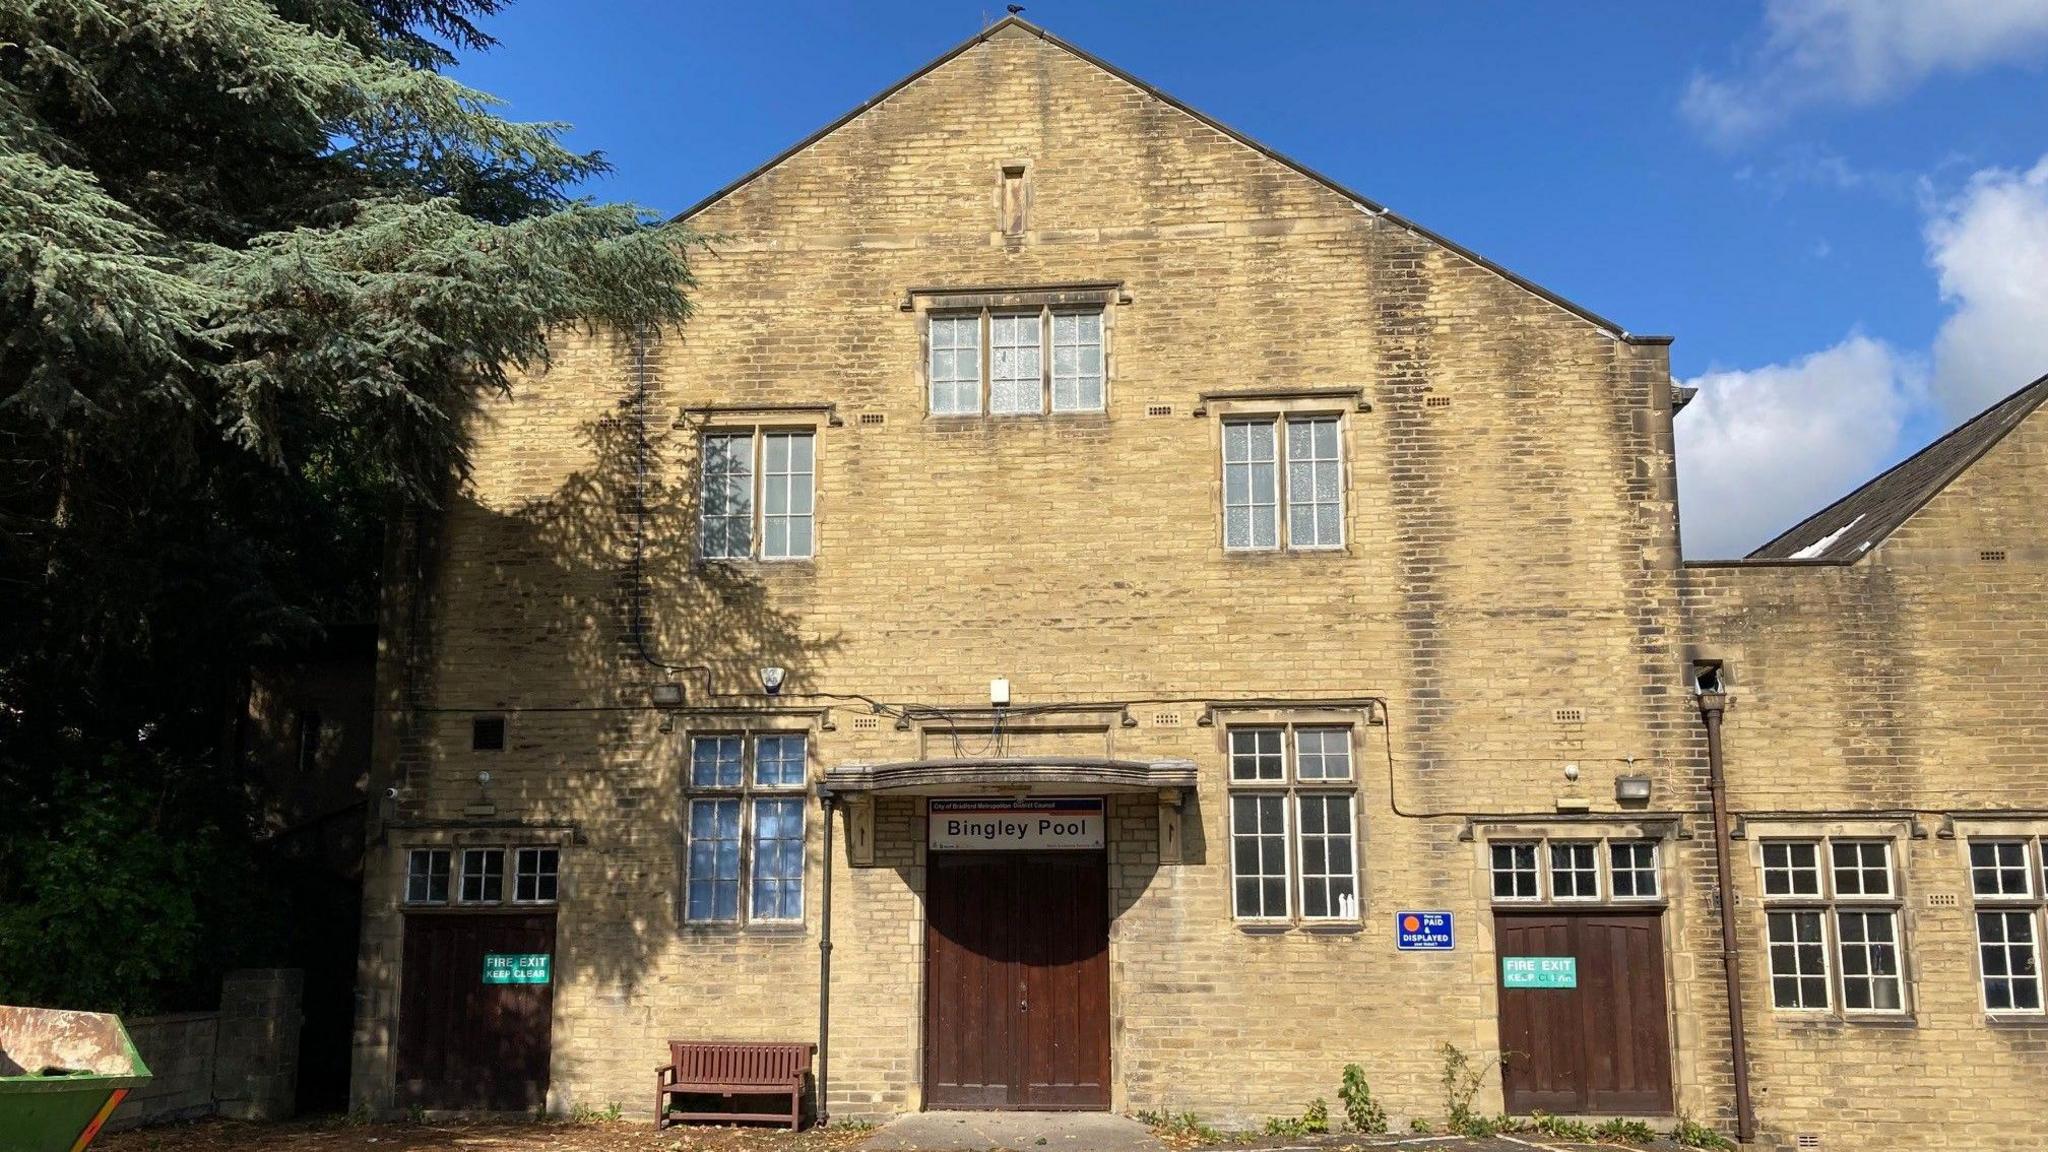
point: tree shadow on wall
(578, 602)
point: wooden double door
(464, 1044)
(1602, 1047)
(1017, 981)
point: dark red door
(462, 1043)
(1017, 981)
(1602, 1047)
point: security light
(667, 695)
(1632, 789)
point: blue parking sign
(1423, 932)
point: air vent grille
(1944, 900)
(1166, 719)
(1809, 1140)
(1993, 555)
(1436, 402)
(870, 419)
(1569, 715)
(1158, 409)
(866, 723)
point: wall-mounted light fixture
(1632, 789)
(666, 695)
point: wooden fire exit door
(1603, 1046)
(464, 1041)
(1017, 981)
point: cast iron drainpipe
(1712, 704)
(826, 799)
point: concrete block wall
(240, 1062)
(179, 1052)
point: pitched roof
(1369, 205)
(1844, 530)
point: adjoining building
(1092, 614)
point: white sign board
(1034, 823)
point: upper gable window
(995, 361)
(1282, 490)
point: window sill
(1263, 928)
(1278, 555)
(1816, 1018)
(793, 930)
(2027, 1020)
(1332, 928)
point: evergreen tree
(256, 262)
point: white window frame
(2029, 906)
(747, 793)
(485, 876)
(756, 439)
(1535, 871)
(520, 873)
(1278, 495)
(1655, 871)
(984, 325)
(1292, 790)
(1593, 849)
(1799, 975)
(1834, 906)
(1541, 847)
(1263, 916)
(447, 857)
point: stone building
(1194, 629)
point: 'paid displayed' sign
(516, 967)
(1035, 822)
(1539, 972)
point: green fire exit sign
(1539, 972)
(516, 967)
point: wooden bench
(729, 1070)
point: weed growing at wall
(1625, 1131)
(1362, 1113)
(1692, 1134)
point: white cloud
(1989, 246)
(1760, 449)
(1859, 52)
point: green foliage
(1461, 1080)
(1420, 1125)
(1362, 1113)
(1625, 1131)
(258, 264)
(1562, 1128)
(1179, 1128)
(585, 1114)
(1691, 1133)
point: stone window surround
(455, 841)
(1291, 789)
(2035, 833)
(808, 420)
(1278, 406)
(1896, 832)
(1602, 834)
(746, 793)
(1100, 296)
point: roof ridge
(1365, 202)
(2026, 404)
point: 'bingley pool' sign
(1034, 822)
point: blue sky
(1834, 206)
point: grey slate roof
(1846, 529)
